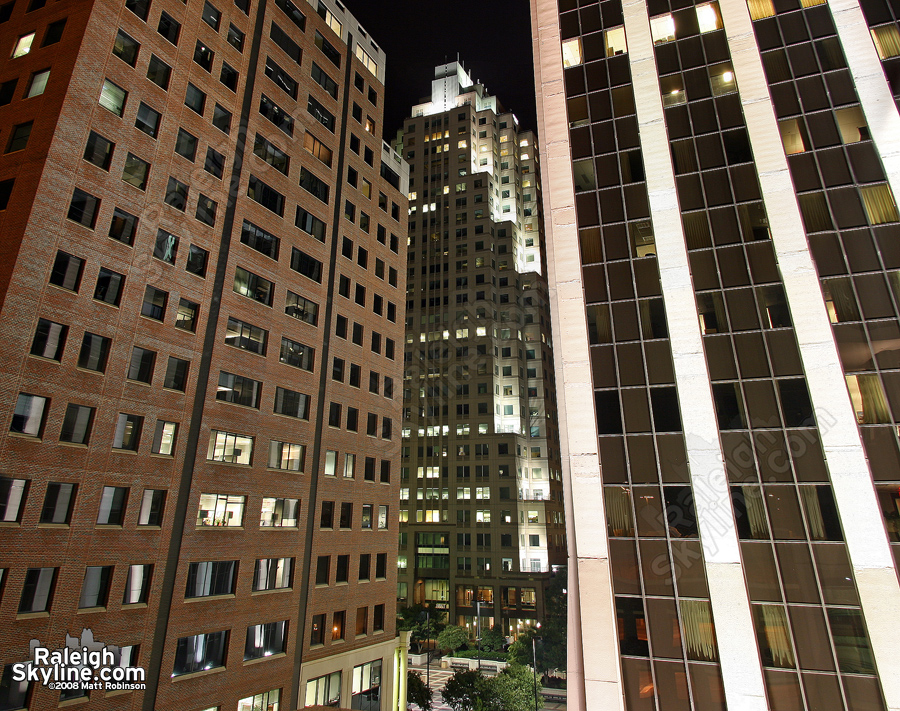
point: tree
(453, 637)
(514, 687)
(423, 622)
(550, 648)
(417, 692)
(470, 691)
(492, 640)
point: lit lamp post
(534, 668)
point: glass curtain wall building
(719, 183)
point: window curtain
(761, 8)
(775, 631)
(872, 400)
(756, 511)
(879, 204)
(887, 41)
(814, 211)
(840, 294)
(696, 230)
(810, 497)
(618, 511)
(699, 636)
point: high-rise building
(201, 270)
(481, 512)
(720, 184)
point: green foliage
(493, 639)
(417, 692)
(550, 648)
(515, 687)
(423, 621)
(453, 637)
(470, 691)
(511, 690)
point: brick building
(202, 289)
(481, 517)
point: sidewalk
(439, 677)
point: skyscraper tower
(201, 263)
(720, 181)
(481, 495)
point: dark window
(206, 213)
(246, 336)
(138, 7)
(169, 28)
(54, 32)
(176, 374)
(266, 196)
(154, 305)
(229, 76)
(203, 56)
(94, 352)
(194, 99)
(328, 49)
(135, 172)
(200, 652)
(141, 365)
(98, 150)
(37, 591)
(7, 89)
(325, 81)
(6, 187)
(327, 518)
(83, 208)
(109, 286)
(346, 514)
(316, 187)
(49, 340)
(292, 404)
(211, 16)
(236, 38)
(221, 119)
(126, 48)
(281, 38)
(320, 113)
(58, 503)
(276, 115)
(259, 239)
(275, 157)
(306, 265)
(297, 354)
(323, 569)
(112, 506)
(310, 224)
(265, 639)
(176, 194)
(238, 390)
(215, 162)
(165, 247)
(281, 78)
(153, 505)
(159, 72)
(252, 286)
(342, 570)
(186, 316)
(148, 120)
(76, 426)
(67, 271)
(289, 9)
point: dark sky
(492, 37)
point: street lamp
(534, 668)
(478, 631)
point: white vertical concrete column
(741, 667)
(857, 504)
(871, 87)
(593, 638)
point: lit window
(220, 510)
(760, 9)
(615, 44)
(708, 17)
(571, 52)
(23, 46)
(112, 97)
(38, 83)
(662, 29)
(721, 79)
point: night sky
(493, 39)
